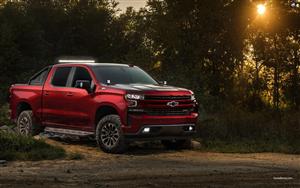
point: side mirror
(84, 84)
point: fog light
(191, 128)
(146, 130)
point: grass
(4, 116)
(17, 147)
(238, 131)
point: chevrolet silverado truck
(113, 103)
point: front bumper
(161, 126)
(179, 131)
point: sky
(137, 4)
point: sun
(261, 9)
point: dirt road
(152, 166)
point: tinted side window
(81, 74)
(39, 78)
(61, 76)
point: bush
(236, 130)
(17, 147)
(4, 116)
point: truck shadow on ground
(135, 148)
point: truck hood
(147, 87)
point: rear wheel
(26, 124)
(177, 144)
(109, 135)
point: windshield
(122, 75)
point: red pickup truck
(114, 103)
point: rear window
(61, 76)
(39, 78)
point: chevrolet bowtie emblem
(172, 103)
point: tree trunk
(276, 89)
(295, 84)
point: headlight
(132, 103)
(134, 97)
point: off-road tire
(109, 135)
(177, 144)
(26, 124)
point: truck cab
(114, 103)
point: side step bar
(68, 131)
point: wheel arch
(104, 110)
(22, 106)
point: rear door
(55, 95)
(37, 84)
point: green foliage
(4, 116)
(34, 33)
(236, 130)
(17, 147)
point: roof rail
(75, 59)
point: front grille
(167, 112)
(158, 105)
(155, 97)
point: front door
(79, 102)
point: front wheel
(109, 135)
(177, 144)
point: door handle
(46, 93)
(69, 94)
